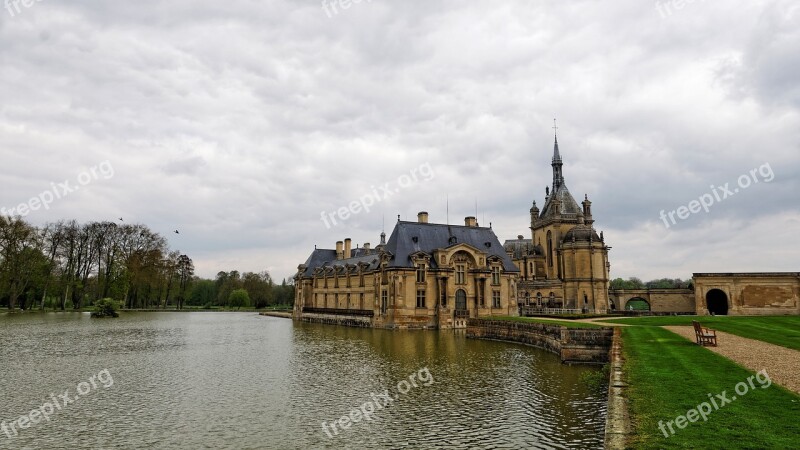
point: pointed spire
(556, 154)
(558, 177)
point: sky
(260, 129)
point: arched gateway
(717, 302)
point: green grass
(578, 316)
(778, 330)
(565, 323)
(669, 375)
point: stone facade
(772, 293)
(427, 276)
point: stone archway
(637, 304)
(717, 302)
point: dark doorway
(461, 300)
(717, 302)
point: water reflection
(237, 380)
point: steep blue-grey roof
(327, 257)
(432, 236)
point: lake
(238, 380)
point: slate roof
(568, 203)
(522, 247)
(431, 236)
(401, 244)
(327, 257)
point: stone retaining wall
(330, 319)
(573, 345)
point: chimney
(366, 248)
(348, 253)
(339, 253)
(470, 221)
(422, 217)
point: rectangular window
(361, 279)
(420, 298)
(336, 301)
(420, 273)
(348, 280)
(348, 301)
(336, 280)
(495, 299)
(495, 275)
(361, 301)
(384, 301)
(461, 274)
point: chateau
(436, 276)
(426, 276)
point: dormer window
(420, 273)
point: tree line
(70, 265)
(661, 283)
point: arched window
(538, 299)
(551, 302)
(527, 299)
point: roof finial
(555, 127)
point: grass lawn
(669, 375)
(778, 330)
(566, 323)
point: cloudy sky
(243, 123)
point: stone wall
(573, 345)
(660, 300)
(331, 319)
(755, 293)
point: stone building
(755, 293)
(565, 263)
(426, 276)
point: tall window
(361, 278)
(348, 279)
(361, 301)
(549, 249)
(461, 274)
(384, 301)
(527, 299)
(348, 301)
(420, 298)
(335, 280)
(538, 299)
(496, 275)
(336, 301)
(495, 299)
(325, 297)
(420, 273)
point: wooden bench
(705, 336)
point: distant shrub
(105, 308)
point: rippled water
(238, 380)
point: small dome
(581, 234)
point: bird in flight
(120, 219)
(176, 232)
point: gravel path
(782, 364)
